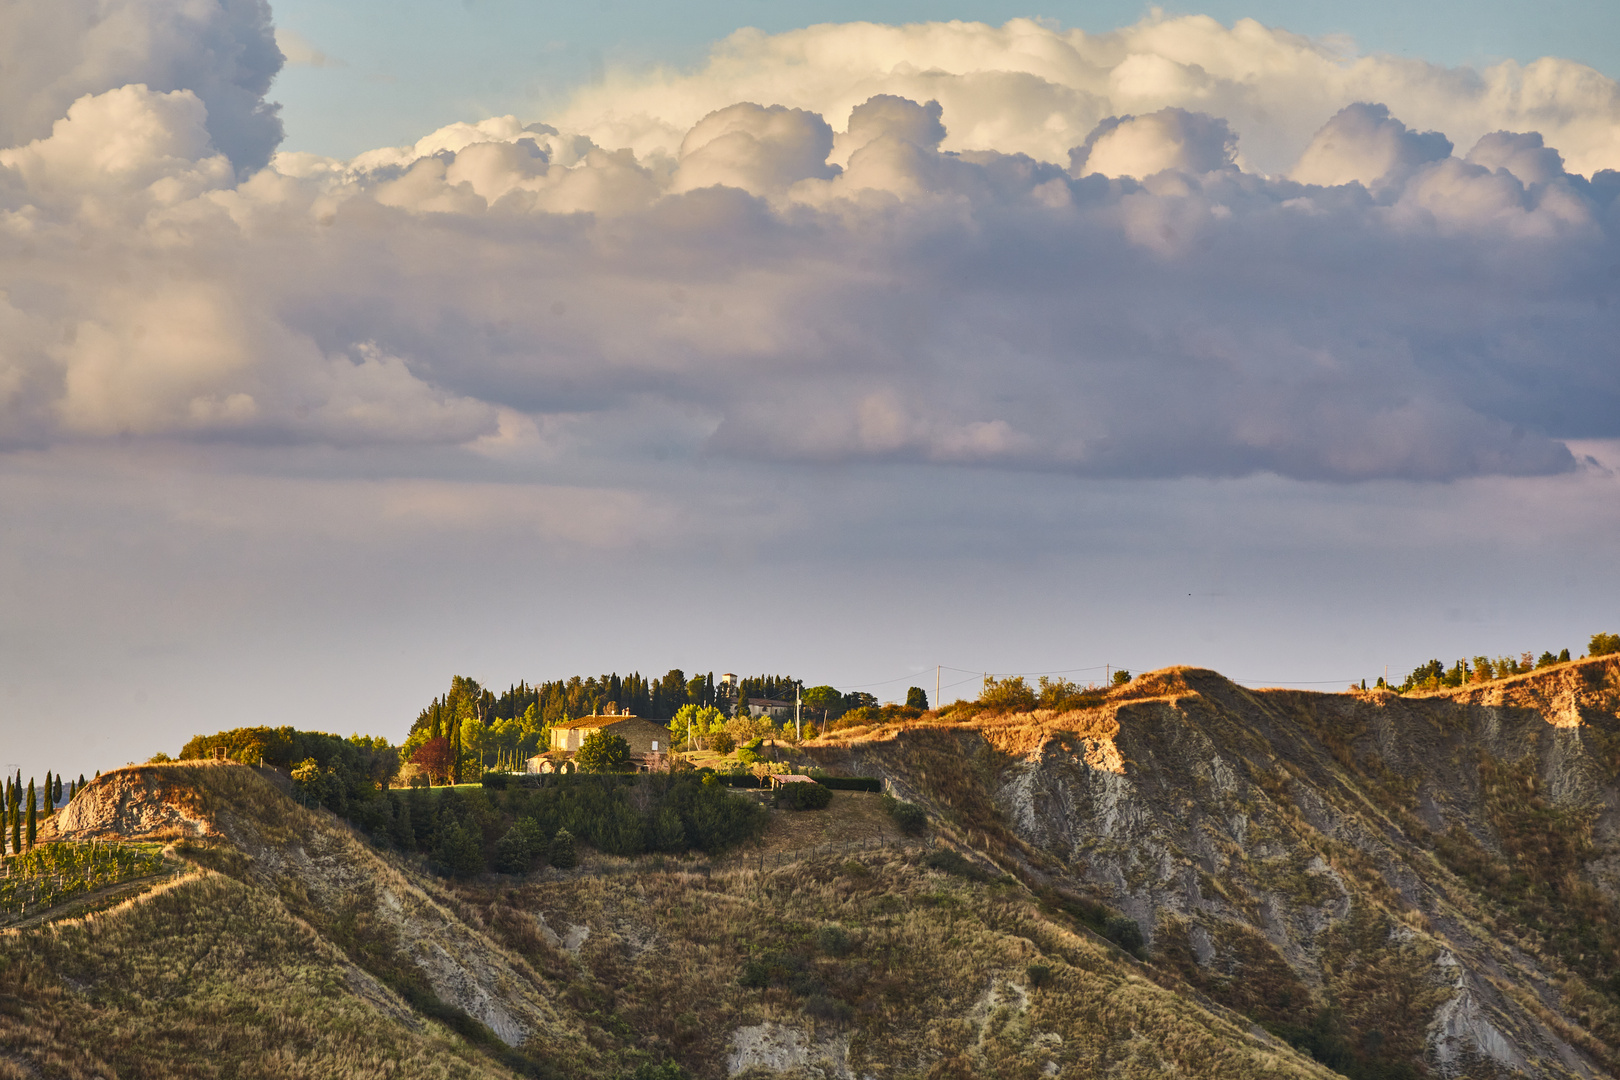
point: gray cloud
(224, 51)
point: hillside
(1389, 885)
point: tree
(458, 850)
(561, 853)
(45, 794)
(825, 698)
(523, 843)
(603, 752)
(57, 795)
(1008, 693)
(1121, 677)
(721, 742)
(916, 698)
(33, 825)
(434, 758)
(1603, 645)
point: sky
(345, 348)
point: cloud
(1032, 88)
(299, 51)
(1364, 145)
(922, 279)
(222, 51)
(1143, 145)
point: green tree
(603, 752)
(33, 825)
(1121, 677)
(523, 843)
(916, 698)
(458, 851)
(824, 698)
(1603, 645)
(561, 853)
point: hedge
(850, 783)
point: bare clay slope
(1401, 884)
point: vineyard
(57, 873)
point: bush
(1010, 693)
(561, 853)
(722, 743)
(910, 817)
(1123, 931)
(802, 796)
(835, 940)
(666, 1070)
(828, 1009)
(1039, 975)
(1603, 645)
(953, 862)
(495, 781)
(1121, 677)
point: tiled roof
(601, 722)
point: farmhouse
(649, 741)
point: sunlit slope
(1394, 883)
(294, 941)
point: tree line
(1435, 675)
(21, 813)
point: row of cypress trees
(20, 812)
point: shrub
(803, 796)
(846, 783)
(666, 1070)
(495, 781)
(1121, 677)
(827, 1008)
(561, 852)
(953, 862)
(835, 940)
(1123, 931)
(1603, 645)
(909, 817)
(746, 756)
(1039, 975)
(1009, 693)
(722, 743)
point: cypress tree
(45, 795)
(58, 789)
(16, 830)
(33, 822)
(5, 816)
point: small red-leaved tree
(434, 758)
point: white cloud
(905, 279)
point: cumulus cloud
(1364, 145)
(222, 51)
(1033, 88)
(999, 268)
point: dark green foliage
(603, 752)
(666, 1070)
(1123, 931)
(33, 824)
(1603, 645)
(1039, 975)
(835, 941)
(916, 698)
(1120, 677)
(802, 796)
(523, 843)
(560, 853)
(458, 851)
(909, 817)
(722, 743)
(953, 862)
(1328, 1039)
(495, 780)
(847, 783)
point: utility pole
(798, 711)
(936, 687)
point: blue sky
(401, 67)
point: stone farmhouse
(649, 741)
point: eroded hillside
(1397, 884)
(1387, 886)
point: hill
(1364, 883)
